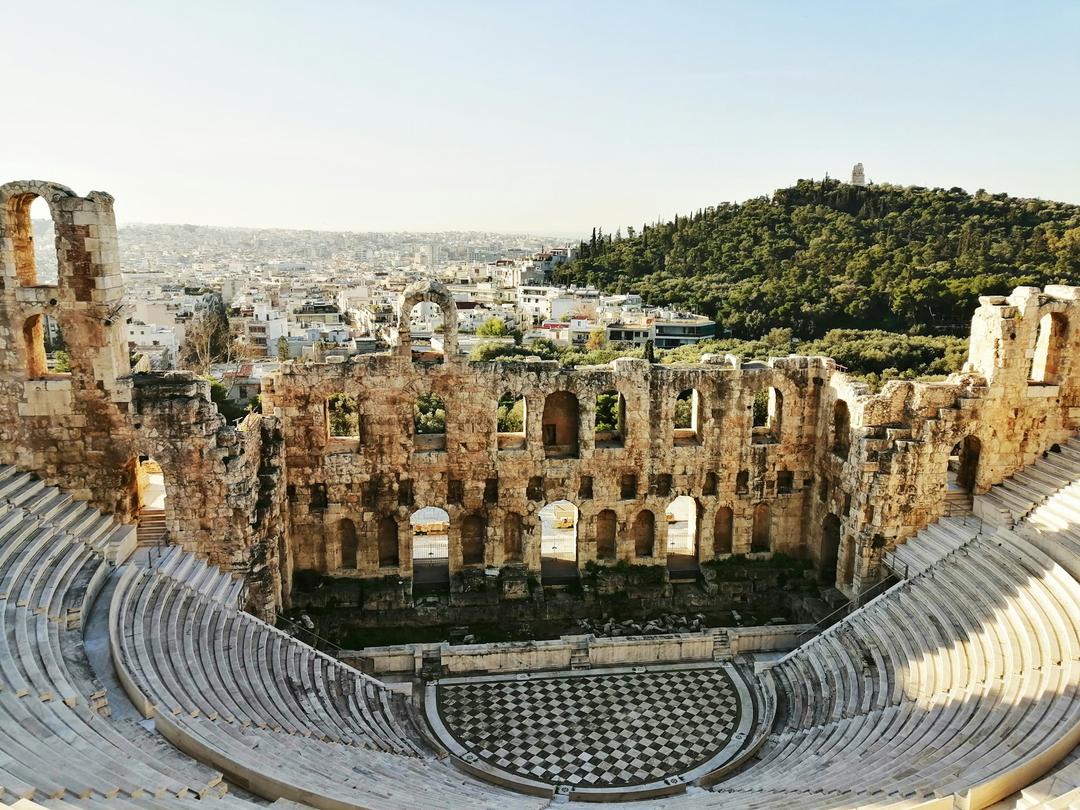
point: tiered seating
(932, 544)
(55, 738)
(274, 714)
(961, 681)
(1014, 498)
(189, 570)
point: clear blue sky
(528, 116)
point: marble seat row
(56, 738)
(195, 573)
(958, 682)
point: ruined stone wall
(65, 425)
(224, 486)
(85, 429)
(881, 483)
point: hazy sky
(528, 116)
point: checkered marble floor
(596, 730)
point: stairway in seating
(151, 527)
(931, 545)
(1015, 497)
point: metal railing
(848, 608)
(298, 629)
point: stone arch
(830, 548)
(347, 544)
(1050, 342)
(606, 526)
(513, 538)
(436, 293)
(473, 529)
(387, 542)
(681, 517)
(841, 429)
(643, 533)
(16, 228)
(723, 531)
(559, 425)
(761, 534)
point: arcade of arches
(787, 456)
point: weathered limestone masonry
(836, 474)
(833, 473)
(85, 430)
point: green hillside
(825, 255)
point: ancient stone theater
(155, 674)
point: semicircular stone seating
(277, 716)
(956, 686)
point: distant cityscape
(327, 296)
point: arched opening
(45, 347)
(513, 541)
(687, 418)
(610, 427)
(768, 410)
(723, 531)
(388, 542)
(430, 549)
(427, 310)
(963, 470)
(643, 533)
(830, 548)
(342, 417)
(681, 517)
(841, 442)
(33, 240)
(429, 423)
(606, 525)
(510, 422)
(347, 543)
(761, 536)
(473, 529)
(560, 425)
(150, 486)
(558, 543)
(1049, 345)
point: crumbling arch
(643, 533)
(473, 530)
(1050, 342)
(16, 228)
(436, 293)
(723, 531)
(387, 542)
(606, 526)
(559, 425)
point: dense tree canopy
(825, 255)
